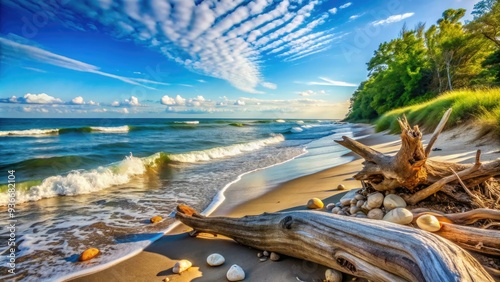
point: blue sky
(203, 58)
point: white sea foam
(114, 129)
(188, 122)
(29, 132)
(228, 151)
(296, 129)
(299, 122)
(80, 181)
(280, 120)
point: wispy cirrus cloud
(345, 5)
(393, 19)
(330, 82)
(20, 51)
(229, 40)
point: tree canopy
(424, 62)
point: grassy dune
(481, 106)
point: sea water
(84, 183)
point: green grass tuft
(481, 105)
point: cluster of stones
(360, 203)
(363, 204)
(235, 272)
(265, 255)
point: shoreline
(155, 262)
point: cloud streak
(229, 40)
(329, 82)
(15, 50)
(393, 19)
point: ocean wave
(188, 122)
(29, 132)
(87, 181)
(296, 129)
(280, 120)
(227, 151)
(113, 129)
(80, 181)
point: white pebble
(215, 259)
(181, 266)
(235, 273)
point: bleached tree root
(376, 250)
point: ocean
(83, 183)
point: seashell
(265, 253)
(330, 206)
(341, 187)
(393, 201)
(353, 210)
(315, 203)
(360, 203)
(375, 214)
(89, 254)
(374, 200)
(215, 259)
(156, 219)
(235, 273)
(181, 266)
(428, 222)
(359, 197)
(274, 256)
(399, 215)
(332, 275)
(335, 210)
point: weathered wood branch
(376, 250)
(483, 241)
(437, 131)
(410, 167)
(468, 217)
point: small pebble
(156, 219)
(341, 187)
(259, 255)
(265, 253)
(274, 256)
(89, 254)
(315, 203)
(181, 266)
(330, 206)
(235, 273)
(263, 259)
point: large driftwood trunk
(376, 250)
(410, 167)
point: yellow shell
(428, 222)
(89, 254)
(156, 219)
(315, 203)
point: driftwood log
(411, 168)
(376, 250)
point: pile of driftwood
(384, 251)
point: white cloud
(166, 100)
(239, 103)
(39, 99)
(78, 100)
(93, 103)
(345, 5)
(222, 39)
(269, 85)
(115, 104)
(333, 11)
(132, 101)
(201, 81)
(393, 19)
(353, 17)
(309, 93)
(15, 50)
(330, 82)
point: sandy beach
(156, 261)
